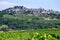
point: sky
(46, 4)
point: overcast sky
(46, 4)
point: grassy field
(40, 34)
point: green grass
(30, 34)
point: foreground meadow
(41, 34)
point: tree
(4, 27)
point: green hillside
(28, 21)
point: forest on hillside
(28, 21)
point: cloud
(5, 3)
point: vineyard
(40, 34)
(29, 23)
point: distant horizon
(46, 4)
